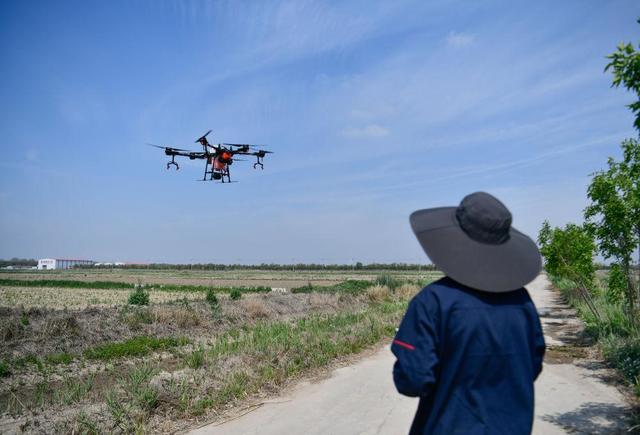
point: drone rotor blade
(204, 136)
(243, 145)
(167, 148)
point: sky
(373, 109)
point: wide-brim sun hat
(475, 244)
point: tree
(613, 216)
(614, 213)
(568, 253)
(625, 63)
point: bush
(235, 294)
(139, 297)
(388, 281)
(623, 354)
(212, 299)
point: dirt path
(572, 395)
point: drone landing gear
(258, 163)
(216, 175)
(173, 162)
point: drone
(217, 157)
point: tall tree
(614, 213)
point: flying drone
(217, 157)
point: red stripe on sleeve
(405, 345)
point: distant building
(57, 263)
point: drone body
(217, 157)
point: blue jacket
(471, 357)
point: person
(470, 345)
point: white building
(57, 263)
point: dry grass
(58, 298)
(323, 300)
(379, 293)
(255, 308)
(184, 317)
(407, 291)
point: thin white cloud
(460, 39)
(369, 131)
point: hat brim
(493, 268)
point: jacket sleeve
(416, 349)
(539, 347)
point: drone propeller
(167, 148)
(204, 136)
(243, 145)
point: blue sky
(373, 110)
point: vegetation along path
(574, 393)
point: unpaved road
(572, 395)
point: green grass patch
(137, 346)
(4, 369)
(28, 360)
(106, 285)
(59, 358)
(388, 281)
(350, 286)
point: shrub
(624, 354)
(235, 294)
(388, 281)
(212, 299)
(139, 297)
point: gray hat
(476, 245)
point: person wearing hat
(470, 345)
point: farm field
(76, 358)
(247, 278)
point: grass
(257, 357)
(4, 369)
(350, 286)
(196, 358)
(67, 283)
(278, 351)
(73, 390)
(617, 335)
(388, 281)
(137, 346)
(59, 358)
